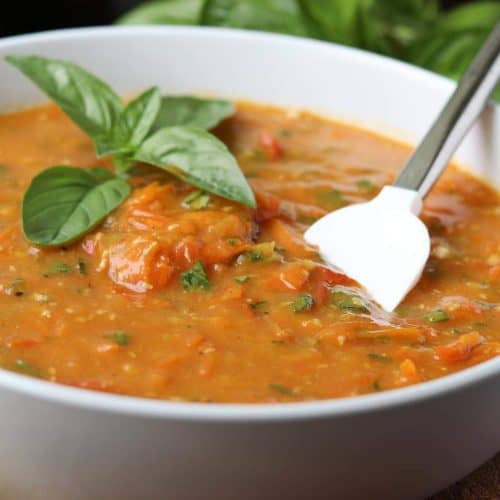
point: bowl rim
(239, 412)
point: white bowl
(60, 443)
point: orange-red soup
(110, 313)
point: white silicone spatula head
(382, 244)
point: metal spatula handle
(461, 111)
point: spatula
(382, 244)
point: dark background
(19, 16)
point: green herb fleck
(456, 330)
(303, 303)
(376, 386)
(261, 252)
(284, 133)
(348, 302)
(23, 366)
(334, 199)
(232, 241)
(277, 342)
(366, 186)
(197, 200)
(381, 358)
(82, 266)
(253, 256)
(259, 305)
(436, 316)
(119, 337)
(282, 389)
(241, 279)
(196, 278)
(57, 267)
(306, 219)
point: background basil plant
(418, 31)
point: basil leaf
(100, 174)
(186, 110)
(198, 158)
(133, 124)
(338, 19)
(62, 203)
(280, 16)
(450, 46)
(88, 101)
(166, 12)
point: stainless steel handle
(461, 111)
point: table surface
(482, 484)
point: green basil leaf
(166, 12)
(186, 110)
(133, 124)
(280, 16)
(88, 101)
(472, 16)
(100, 174)
(198, 158)
(449, 46)
(338, 19)
(63, 203)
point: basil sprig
(170, 132)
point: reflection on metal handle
(471, 95)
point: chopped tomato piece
(323, 278)
(268, 205)
(270, 145)
(288, 238)
(460, 350)
(409, 372)
(291, 277)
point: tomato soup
(182, 295)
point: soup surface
(128, 309)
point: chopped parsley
(56, 267)
(119, 337)
(82, 266)
(241, 279)
(333, 199)
(259, 306)
(366, 186)
(348, 302)
(303, 303)
(282, 389)
(436, 316)
(195, 278)
(306, 219)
